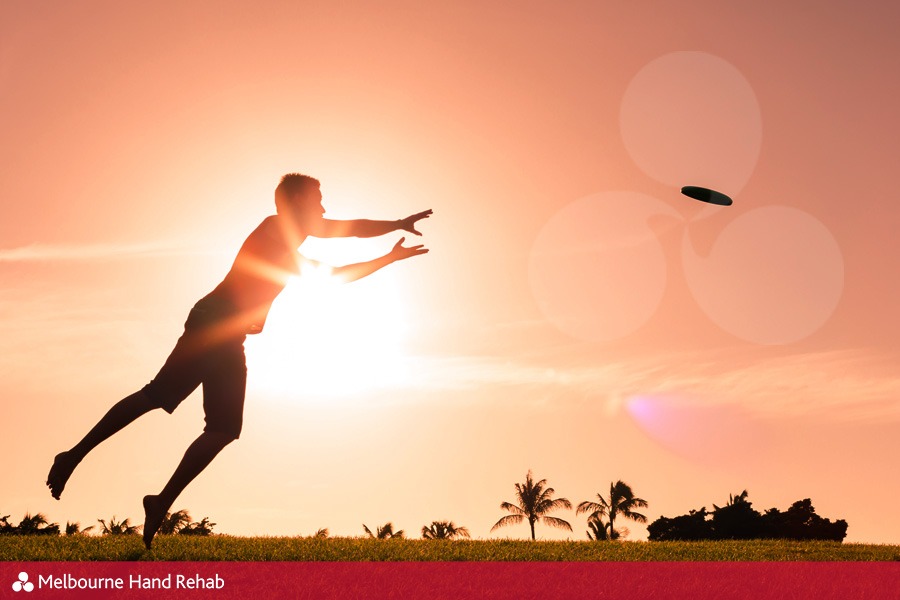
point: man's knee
(223, 438)
(152, 398)
(226, 425)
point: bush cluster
(739, 521)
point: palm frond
(203, 527)
(544, 492)
(512, 508)
(460, 532)
(508, 520)
(597, 530)
(173, 522)
(558, 523)
(556, 504)
(591, 507)
(384, 532)
(75, 528)
(443, 530)
(638, 517)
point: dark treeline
(174, 523)
(29, 525)
(737, 520)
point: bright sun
(323, 338)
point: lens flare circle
(773, 276)
(597, 270)
(692, 116)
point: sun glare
(327, 339)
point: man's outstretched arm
(352, 272)
(365, 228)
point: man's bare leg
(121, 414)
(197, 457)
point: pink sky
(576, 316)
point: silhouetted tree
(202, 527)
(692, 526)
(621, 502)
(800, 522)
(384, 532)
(736, 520)
(75, 528)
(597, 530)
(6, 528)
(534, 503)
(36, 524)
(321, 533)
(173, 522)
(118, 527)
(443, 530)
(739, 499)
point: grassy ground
(228, 548)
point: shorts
(204, 356)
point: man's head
(298, 196)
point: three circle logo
(22, 584)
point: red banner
(494, 580)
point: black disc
(706, 195)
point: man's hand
(356, 271)
(398, 252)
(409, 223)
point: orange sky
(576, 315)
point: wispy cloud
(848, 384)
(103, 251)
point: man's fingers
(409, 223)
(416, 250)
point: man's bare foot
(62, 468)
(154, 513)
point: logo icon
(23, 584)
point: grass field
(228, 548)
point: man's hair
(292, 185)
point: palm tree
(203, 527)
(118, 527)
(5, 526)
(621, 502)
(597, 530)
(384, 532)
(732, 499)
(443, 530)
(323, 533)
(534, 503)
(36, 525)
(75, 528)
(174, 522)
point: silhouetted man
(211, 350)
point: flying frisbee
(706, 195)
